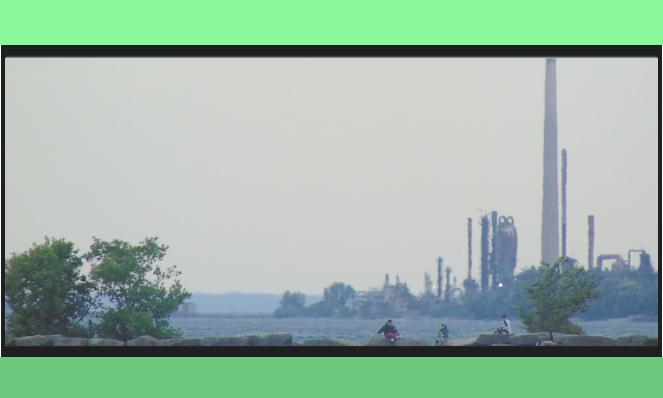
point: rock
(142, 341)
(177, 342)
(506, 345)
(462, 342)
(274, 339)
(9, 338)
(379, 341)
(331, 342)
(97, 342)
(70, 341)
(36, 341)
(493, 338)
(528, 338)
(410, 342)
(582, 341)
(556, 336)
(225, 341)
(631, 340)
(191, 342)
(651, 342)
(548, 343)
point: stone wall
(276, 339)
(554, 339)
(285, 339)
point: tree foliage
(337, 293)
(555, 295)
(627, 293)
(295, 299)
(332, 304)
(291, 305)
(46, 291)
(141, 301)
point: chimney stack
(563, 202)
(439, 277)
(469, 248)
(550, 211)
(493, 253)
(590, 221)
(485, 226)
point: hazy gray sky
(270, 174)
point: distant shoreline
(241, 315)
(266, 315)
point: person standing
(389, 331)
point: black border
(332, 51)
(366, 351)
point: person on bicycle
(442, 335)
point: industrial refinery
(499, 235)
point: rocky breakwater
(553, 339)
(381, 341)
(276, 339)
(333, 342)
(285, 339)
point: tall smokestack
(563, 202)
(439, 277)
(590, 221)
(493, 244)
(447, 291)
(484, 252)
(469, 248)
(550, 213)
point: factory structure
(376, 296)
(499, 252)
(550, 226)
(499, 236)
(550, 208)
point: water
(360, 329)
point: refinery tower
(550, 216)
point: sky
(271, 174)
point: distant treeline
(627, 293)
(240, 302)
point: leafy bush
(555, 295)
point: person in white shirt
(506, 326)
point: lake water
(360, 329)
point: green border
(331, 22)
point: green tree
(337, 293)
(141, 303)
(295, 299)
(333, 302)
(627, 293)
(556, 295)
(46, 291)
(291, 304)
(323, 309)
